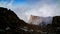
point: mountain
(8, 21)
(11, 24)
(53, 28)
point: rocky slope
(8, 21)
(11, 24)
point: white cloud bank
(44, 8)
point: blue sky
(21, 2)
(26, 2)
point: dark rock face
(56, 21)
(11, 24)
(56, 24)
(8, 17)
(8, 20)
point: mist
(41, 8)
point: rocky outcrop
(8, 21)
(56, 21)
(56, 24)
(35, 20)
(38, 20)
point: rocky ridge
(11, 24)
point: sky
(25, 8)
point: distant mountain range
(11, 24)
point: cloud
(44, 11)
(43, 8)
(58, 8)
